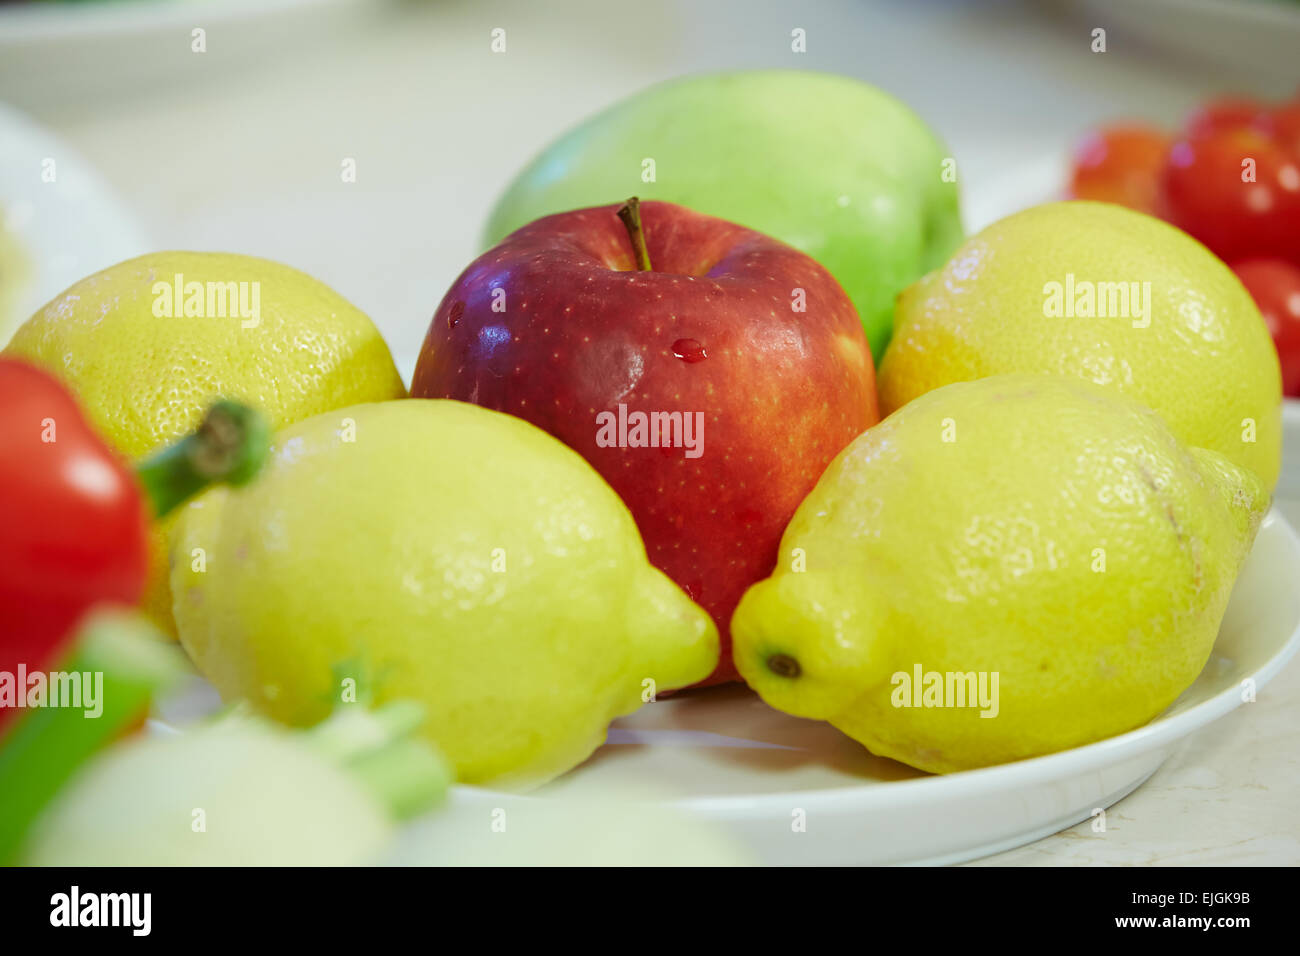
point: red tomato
(1121, 164)
(1232, 111)
(1275, 287)
(1208, 194)
(1282, 125)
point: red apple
(585, 321)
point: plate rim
(1161, 731)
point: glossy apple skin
(781, 391)
(829, 164)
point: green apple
(830, 165)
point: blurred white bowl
(62, 230)
(1262, 36)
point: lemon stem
(783, 665)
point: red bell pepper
(74, 518)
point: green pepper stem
(406, 776)
(354, 729)
(379, 749)
(229, 446)
(47, 746)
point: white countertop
(241, 151)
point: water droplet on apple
(453, 317)
(689, 350)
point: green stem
(229, 446)
(354, 729)
(406, 776)
(380, 750)
(128, 663)
(630, 213)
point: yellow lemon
(1105, 294)
(1003, 568)
(148, 344)
(438, 551)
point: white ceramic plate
(1288, 484)
(62, 230)
(748, 770)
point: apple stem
(630, 213)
